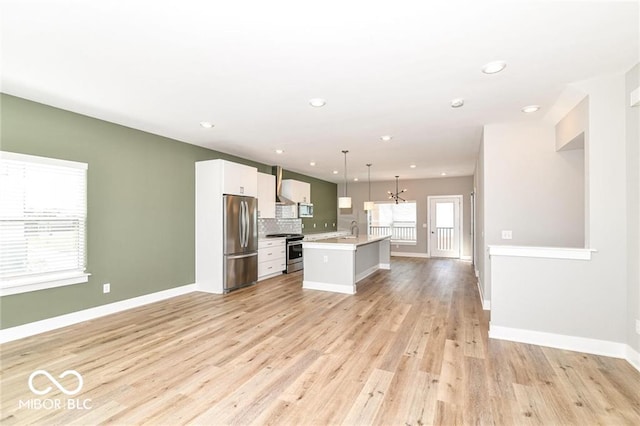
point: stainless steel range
(294, 250)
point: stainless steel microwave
(305, 210)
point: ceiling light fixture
(355, 179)
(279, 151)
(335, 172)
(494, 67)
(395, 196)
(317, 102)
(413, 166)
(386, 138)
(457, 103)
(530, 108)
(345, 202)
(443, 174)
(369, 205)
(313, 163)
(206, 124)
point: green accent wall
(141, 206)
(324, 196)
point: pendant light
(369, 205)
(344, 202)
(396, 196)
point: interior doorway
(445, 226)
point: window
(397, 220)
(43, 214)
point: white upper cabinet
(266, 196)
(299, 192)
(238, 179)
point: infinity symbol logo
(55, 382)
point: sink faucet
(354, 225)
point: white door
(444, 226)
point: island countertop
(344, 243)
(338, 264)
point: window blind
(43, 214)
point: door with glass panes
(444, 226)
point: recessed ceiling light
(494, 67)
(317, 102)
(313, 163)
(413, 166)
(335, 172)
(531, 108)
(279, 151)
(355, 179)
(206, 124)
(457, 103)
(443, 174)
(386, 138)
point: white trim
(544, 252)
(407, 254)
(571, 343)
(486, 304)
(336, 288)
(385, 266)
(329, 246)
(364, 274)
(33, 284)
(14, 156)
(37, 327)
(633, 357)
(634, 98)
(266, 277)
(460, 223)
(466, 258)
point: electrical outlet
(325, 225)
(106, 288)
(638, 326)
(507, 235)
(424, 225)
(303, 226)
(325, 259)
(314, 225)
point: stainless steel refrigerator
(240, 239)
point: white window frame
(49, 279)
(397, 242)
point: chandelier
(395, 196)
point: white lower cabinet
(272, 257)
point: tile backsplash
(279, 226)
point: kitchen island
(337, 264)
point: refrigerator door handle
(246, 224)
(243, 224)
(242, 256)
(240, 228)
(247, 228)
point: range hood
(280, 199)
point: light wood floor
(410, 348)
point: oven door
(294, 252)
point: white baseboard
(386, 266)
(486, 304)
(633, 357)
(467, 258)
(364, 274)
(559, 341)
(407, 254)
(336, 288)
(37, 327)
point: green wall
(324, 196)
(141, 206)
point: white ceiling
(250, 68)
